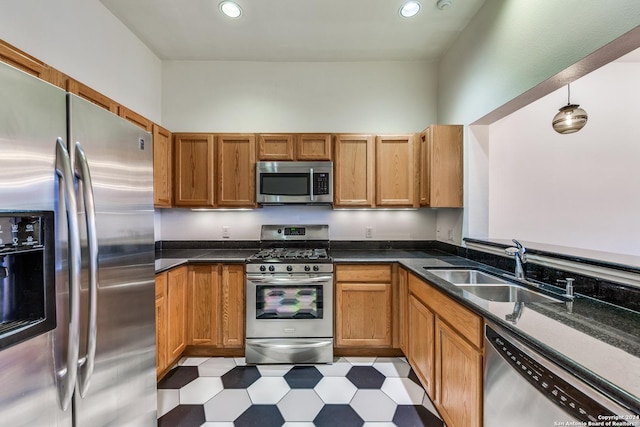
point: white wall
(509, 48)
(580, 190)
(334, 97)
(85, 41)
(180, 224)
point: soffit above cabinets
(294, 30)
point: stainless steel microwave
(294, 183)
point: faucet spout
(519, 254)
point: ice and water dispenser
(27, 276)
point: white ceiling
(294, 30)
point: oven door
(290, 306)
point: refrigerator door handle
(66, 377)
(86, 363)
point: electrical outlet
(450, 234)
(368, 232)
(226, 231)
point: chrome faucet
(519, 254)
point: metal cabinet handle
(82, 173)
(66, 377)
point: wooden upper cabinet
(396, 177)
(84, 91)
(194, 170)
(17, 58)
(135, 118)
(236, 170)
(441, 166)
(162, 167)
(313, 146)
(353, 170)
(272, 147)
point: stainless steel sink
(468, 277)
(490, 287)
(507, 293)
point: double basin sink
(489, 287)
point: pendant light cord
(568, 94)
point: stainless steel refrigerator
(86, 356)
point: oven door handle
(293, 346)
(293, 280)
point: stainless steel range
(290, 296)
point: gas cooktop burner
(287, 254)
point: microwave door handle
(311, 183)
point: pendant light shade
(571, 118)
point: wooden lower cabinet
(458, 378)
(161, 323)
(364, 305)
(445, 350)
(216, 306)
(177, 311)
(420, 349)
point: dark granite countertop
(596, 341)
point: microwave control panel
(321, 183)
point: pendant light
(571, 118)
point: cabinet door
(273, 147)
(194, 170)
(396, 171)
(236, 170)
(204, 305)
(177, 312)
(441, 169)
(161, 322)
(233, 305)
(313, 146)
(17, 58)
(459, 378)
(162, 167)
(403, 310)
(420, 346)
(363, 314)
(135, 118)
(353, 170)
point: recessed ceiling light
(409, 9)
(231, 9)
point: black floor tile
(183, 416)
(412, 416)
(365, 377)
(240, 377)
(260, 416)
(178, 377)
(303, 377)
(338, 415)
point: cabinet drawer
(467, 323)
(363, 273)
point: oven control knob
(272, 268)
(307, 268)
(289, 268)
(316, 268)
(263, 268)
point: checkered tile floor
(208, 392)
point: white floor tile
(200, 390)
(373, 405)
(361, 361)
(217, 424)
(240, 361)
(335, 390)
(377, 424)
(167, 400)
(274, 370)
(300, 405)
(299, 424)
(216, 367)
(192, 361)
(403, 391)
(392, 367)
(268, 390)
(227, 405)
(339, 368)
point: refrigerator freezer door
(32, 117)
(121, 390)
